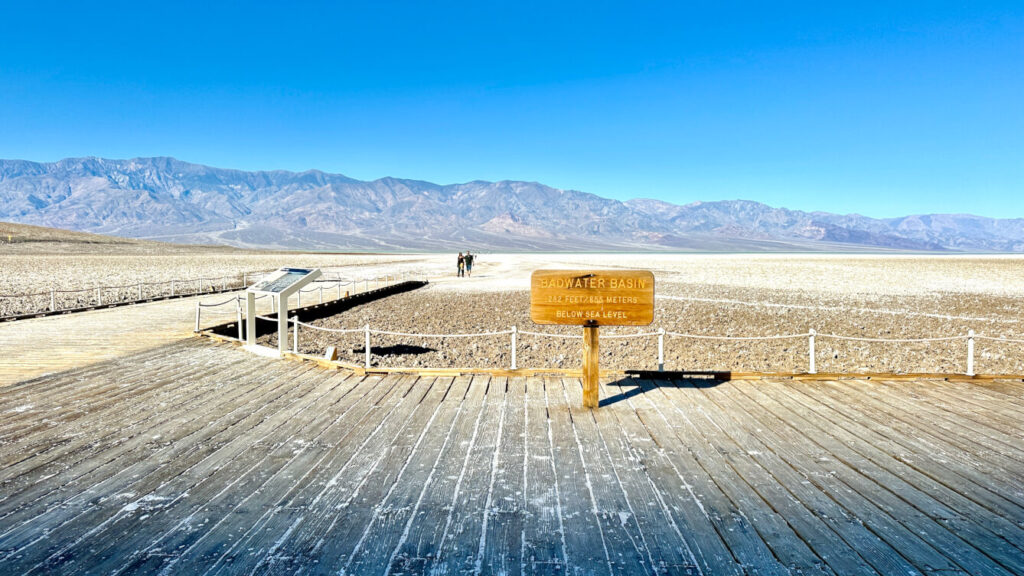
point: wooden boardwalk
(197, 458)
(37, 346)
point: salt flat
(872, 296)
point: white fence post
(367, 346)
(172, 287)
(140, 290)
(53, 301)
(245, 279)
(661, 349)
(321, 294)
(514, 334)
(339, 289)
(970, 352)
(810, 351)
(295, 341)
(241, 334)
(200, 285)
(99, 297)
(198, 308)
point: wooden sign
(592, 297)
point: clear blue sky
(880, 108)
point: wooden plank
(74, 340)
(109, 513)
(927, 467)
(45, 390)
(714, 455)
(626, 545)
(222, 544)
(682, 537)
(458, 550)
(987, 427)
(74, 443)
(55, 507)
(1012, 389)
(391, 543)
(58, 428)
(1000, 475)
(83, 469)
(730, 520)
(273, 557)
(976, 396)
(394, 514)
(502, 552)
(354, 495)
(77, 398)
(865, 492)
(544, 548)
(298, 523)
(585, 545)
(433, 517)
(286, 469)
(969, 400)
(831, 531)
(197, 544)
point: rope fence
(333, 284)
(514, 332)
(327, 284)
(60, 300)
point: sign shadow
(641, 382)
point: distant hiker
(462, 265)
(468, 259)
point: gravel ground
(921, 306)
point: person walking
(468, 259)
(462, 265)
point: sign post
(591, 299)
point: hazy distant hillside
(166, 199)
(28, 239)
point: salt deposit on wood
(199, 458)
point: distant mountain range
(169, 200)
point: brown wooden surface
(196, 457)
(592, 297)
(591, 354)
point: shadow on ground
(642, 381)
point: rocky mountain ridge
(167, 199)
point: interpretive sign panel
(280, 285)
(592, 297)
(281, 280)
